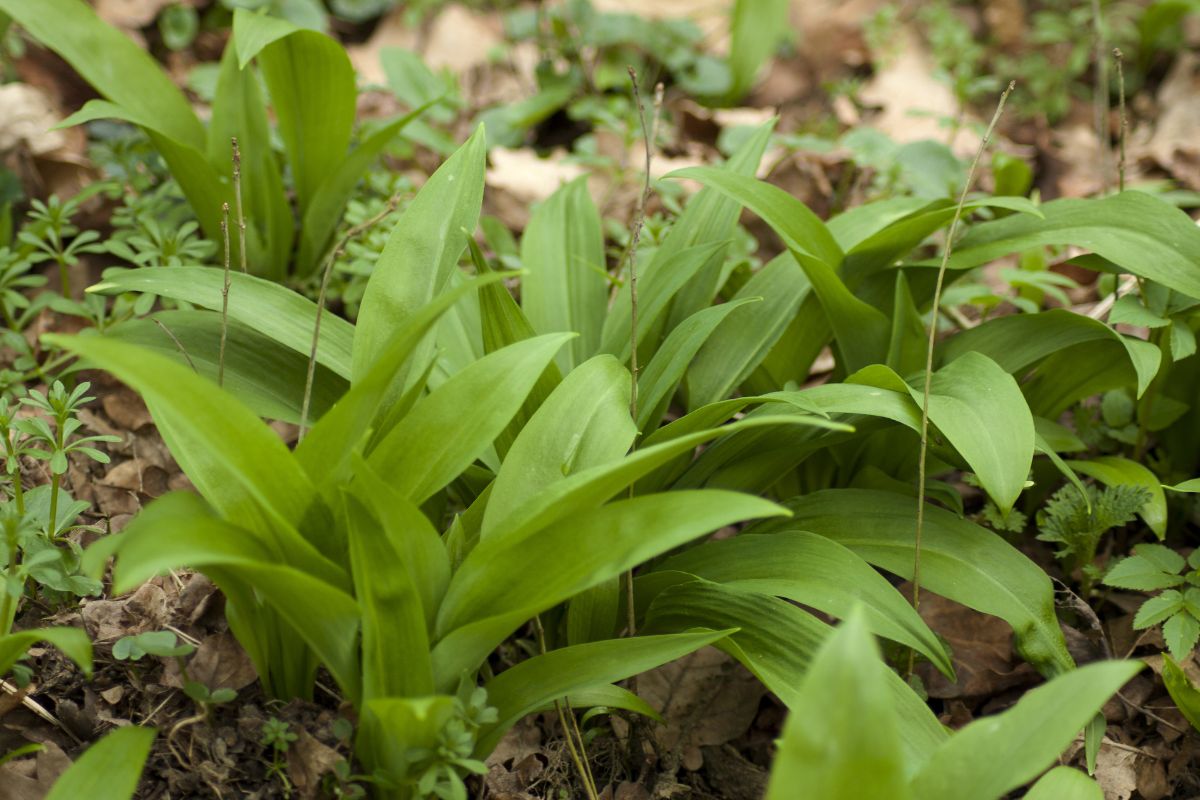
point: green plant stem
(55, 480)
(937, 299)
(1159, 337)
(64, 277)
(8, 604)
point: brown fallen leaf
(981, 648)
(144, 610)
(1116, 772)
(130, 14)
(31, 778)
(308, 761)
(706, 698)
(219, 663)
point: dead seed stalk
(928, 382)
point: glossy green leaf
(236, 461)
(658, 380)
(1138, 232)
(395, 642)
(776, 640)
(447, 430)
(1114, 471)
(980, 409)
(274, 311)
(529, 685)
(421, 253)
(489, 595)
(73, 642)
(108, 770)
(263, 374)
(994, 755)
(745, 338)
(1064, 783)
(814, 571)
(311, 82)
(565, 287)
(1182, 690)
(584, 423)
(841, 740)
(324, 453)
(959, 560)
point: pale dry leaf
(912, 102)
(130, 14)
(26, 117)
(18, 781)
(460, 40)
(219, 663)
(1173, 144)
(144, 610)
(392, 31)
(1116, 772)
(518, 179)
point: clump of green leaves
(1076, 522)
(439, 770)
(1177, 607)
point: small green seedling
(163, 644)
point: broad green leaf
(410, 534)
(421, 252)
(324, 453)
(584, 423)
(200, 181)
(1087, 369)
(108, 770)
(1138, 232)
(311, 82)
(841, 740)
(447, 430)
(239, 112)
(111, 62)
(489, 595)
(1192, 486)
(252, 32)
(709, 217)
(1114, 471)
(395, 729)
(325, 207)
(235, 460)
(175, 531)
(776, 640)
(565, 287)
(267, 377)
(590, 488)
(1019, 341)
(269, 308)
(799, 227)
(1064, 783)
(980, 409)
(529, 685)
(395, 642)
(1157, 609)
(1181, 632)
(745, 338)
(855, 225)
(658, 380)
(817, 572)
(757, 29)
(959, 560)
(994, 755)
(1182, 690)
(659, 282)
(73, 642)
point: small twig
(330, 258)
(37, 708)
(224, 297)
(649, 133)
(937, 299)
(570, 731)
(237, 198)
(1120, 58)
(1100, 97)
(178, 344)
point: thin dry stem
(224, 297)
(937, 300)
(649, 133)
(330, 258)
(178, 344)
(237, 198)
(1120, 59)
(1100, 98)
(563, 708)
